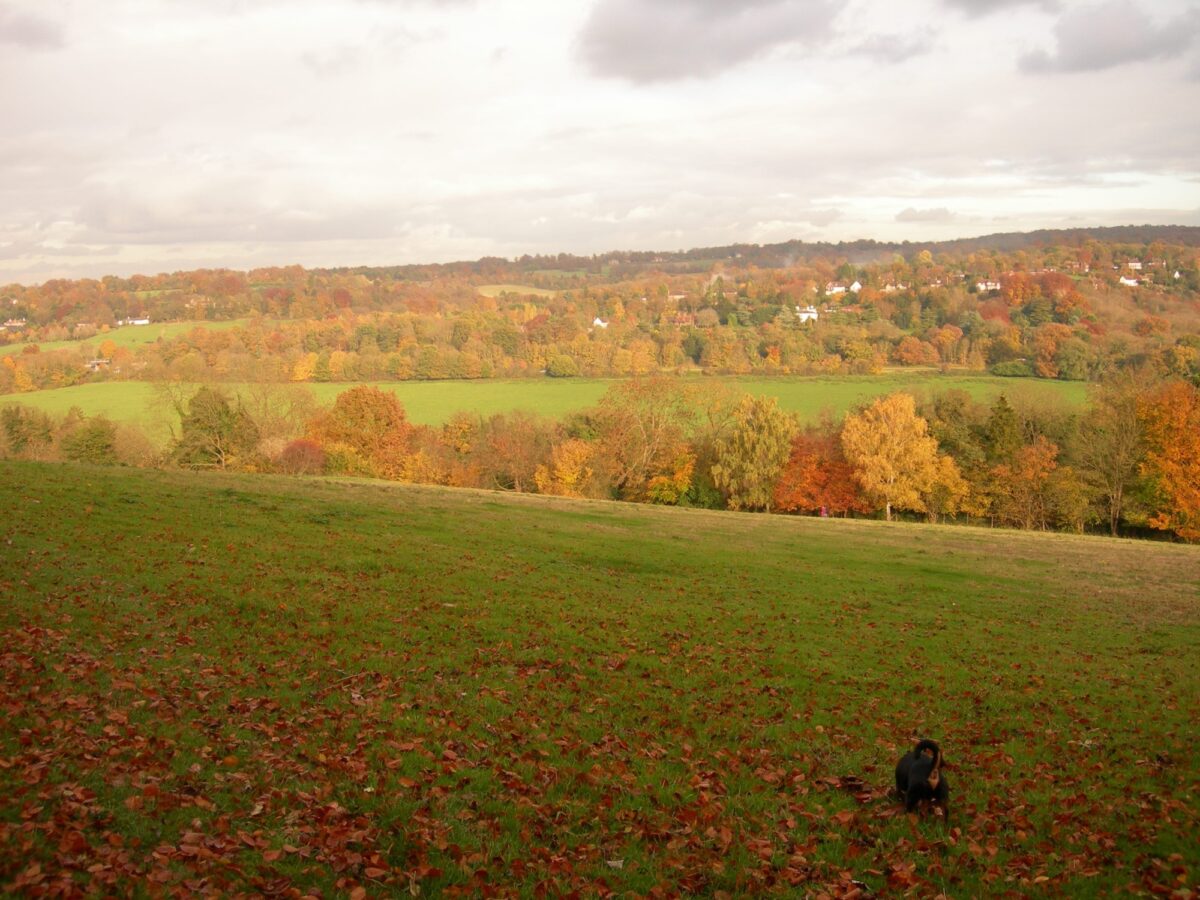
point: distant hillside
(789, 253)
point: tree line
(1131, 460)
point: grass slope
(433, 402)
(217, 683)
(130, 336)
(524, 290)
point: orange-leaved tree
(569, 472)
(365, 432)
(818, 477)
(1171, 428)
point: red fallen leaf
(406, 782)
(272, 855)
(374, 872)
(449, 754)
(359, 893)
(902, 875)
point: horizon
(159, 137)
(915, 245)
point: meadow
(433, 402)
(218, 683)
(129, 336)
(495, 290)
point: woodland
(1117, 308)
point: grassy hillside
(130, 336)
(216, 683)
(433, 402)
(496, 290)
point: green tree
(94, 441)
(562, 366)
(28, 433)
(1002, 436)
(751, 455)
(214, 433)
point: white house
(807, 313)
(599, 323)
(133, 321)
(984, 286)
(1135, 265)
(834, 288)
(856, 287)
(1129, 282)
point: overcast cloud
(1115, 33)
(155, 135)
(664, 40)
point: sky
(145, 136)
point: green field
(495, 290)
(433, 402)
(217, 684)
(130, 336)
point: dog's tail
(933, 748)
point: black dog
(919, 777)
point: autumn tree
(642, 428)
(1170, 420)
(365, 432)
(569, 470)
(817, 477)
(750, 457)
(894, 457)
(1024, 482)
(1109, 443)
(510, 447)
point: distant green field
(253, 685)
(433, 402)
(130, 336)
(495, 290)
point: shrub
(301, 457)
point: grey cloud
(664, 40)
(28, 30)
(985, 7)
(1111, 34)
(911, 214)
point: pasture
(433, 402)
(129, 336)
(523, 290)
(215, 684)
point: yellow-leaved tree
(896, 460)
